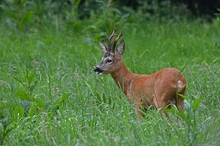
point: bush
(103, 15)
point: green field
(50, 95)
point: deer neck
(122, 77)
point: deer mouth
(98, 71)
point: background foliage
(30, 16)
(49, 94)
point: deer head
(111, 60)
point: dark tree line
(198, 8)
(202, 7)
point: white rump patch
(179, 86)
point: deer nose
(98, 70)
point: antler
(110, 38)
(115, 41)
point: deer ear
(121, 47)
(104, 48)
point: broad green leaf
(18, 112)
(182, 115)
(63, 98)
(30, 78)
(22, 95)
(38, 102)
(33, 110)
(183, 96)
(60, 101)
(33, 86)
(196, 103)
(7, 106)
(176, 112)
(28, 17)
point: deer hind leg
(180, 100)
(180, 103)
(162, 106)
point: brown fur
(159, 89)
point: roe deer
(159, 89)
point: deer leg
(180, 104)
(180, 100)
(160, 104)
(138, 110)
(162, 107)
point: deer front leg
(136, 106)
(139, 112)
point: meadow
(50, 95)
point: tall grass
(50, 95)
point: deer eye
(108, 61)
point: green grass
(51, 96)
